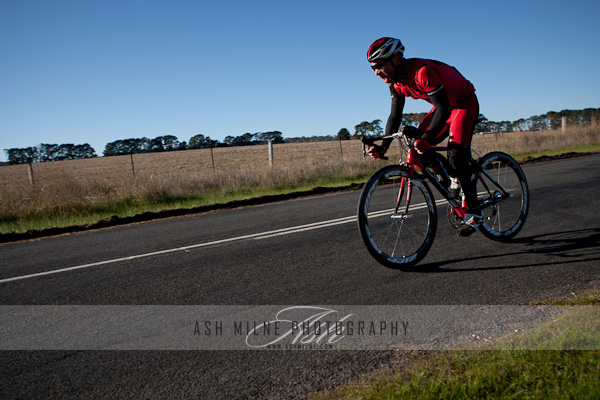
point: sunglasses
(379, 65)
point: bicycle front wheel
(503, 195)
(397, 237)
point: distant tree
(520, 125)
(21, 156)
(128, 146)
(201, 142)
(212, 143)
(274, 136)
(590, 115)
(197, 142)
(170, 143)
(228, 141)
(361, 129)
(413, 119)
(46, 152)
(481, 126)
(109, 149)
(375, 127)
(84, 151)
(157, 145)
(536, 123)
(343, 134)
(243, 140)
(554, 120)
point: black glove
(412, 132)
(377, 152)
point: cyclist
(454, 112)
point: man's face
(384, 69)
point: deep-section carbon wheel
(505, 208)
(397, 237)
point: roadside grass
(556, 360)
(78, 192)
(145, 197)
(555, 152)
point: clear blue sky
(95, 71)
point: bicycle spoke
(393, 254)
(415, 234)
(388, 229)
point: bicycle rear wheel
(505, 208)
(396, 238)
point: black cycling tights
(459, 160)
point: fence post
(132, 167)
(212, 159)
(30, 168)
(271, 153)
(341, 149)
(564, 123)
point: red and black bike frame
(412, 162)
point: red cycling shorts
(459, 126)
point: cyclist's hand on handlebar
(376, 151)
(422, 146)
(412, 132)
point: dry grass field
(77, 191)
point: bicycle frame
(414, 162)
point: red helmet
(384, 48)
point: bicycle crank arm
(495, 198)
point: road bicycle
(397, 213)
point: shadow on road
(553, 249)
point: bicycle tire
(396, 242)
(503, 220)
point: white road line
(257, 236)
(309, 227)
(261, 235)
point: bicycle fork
(405, 185)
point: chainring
(455, 221)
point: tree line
(144, 145)
(171, 143)
(50, 152)
(53, 152)
(550, 121)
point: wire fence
(256, 158)
(185, 162)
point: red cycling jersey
(424, 77)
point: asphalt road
(302, 252)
